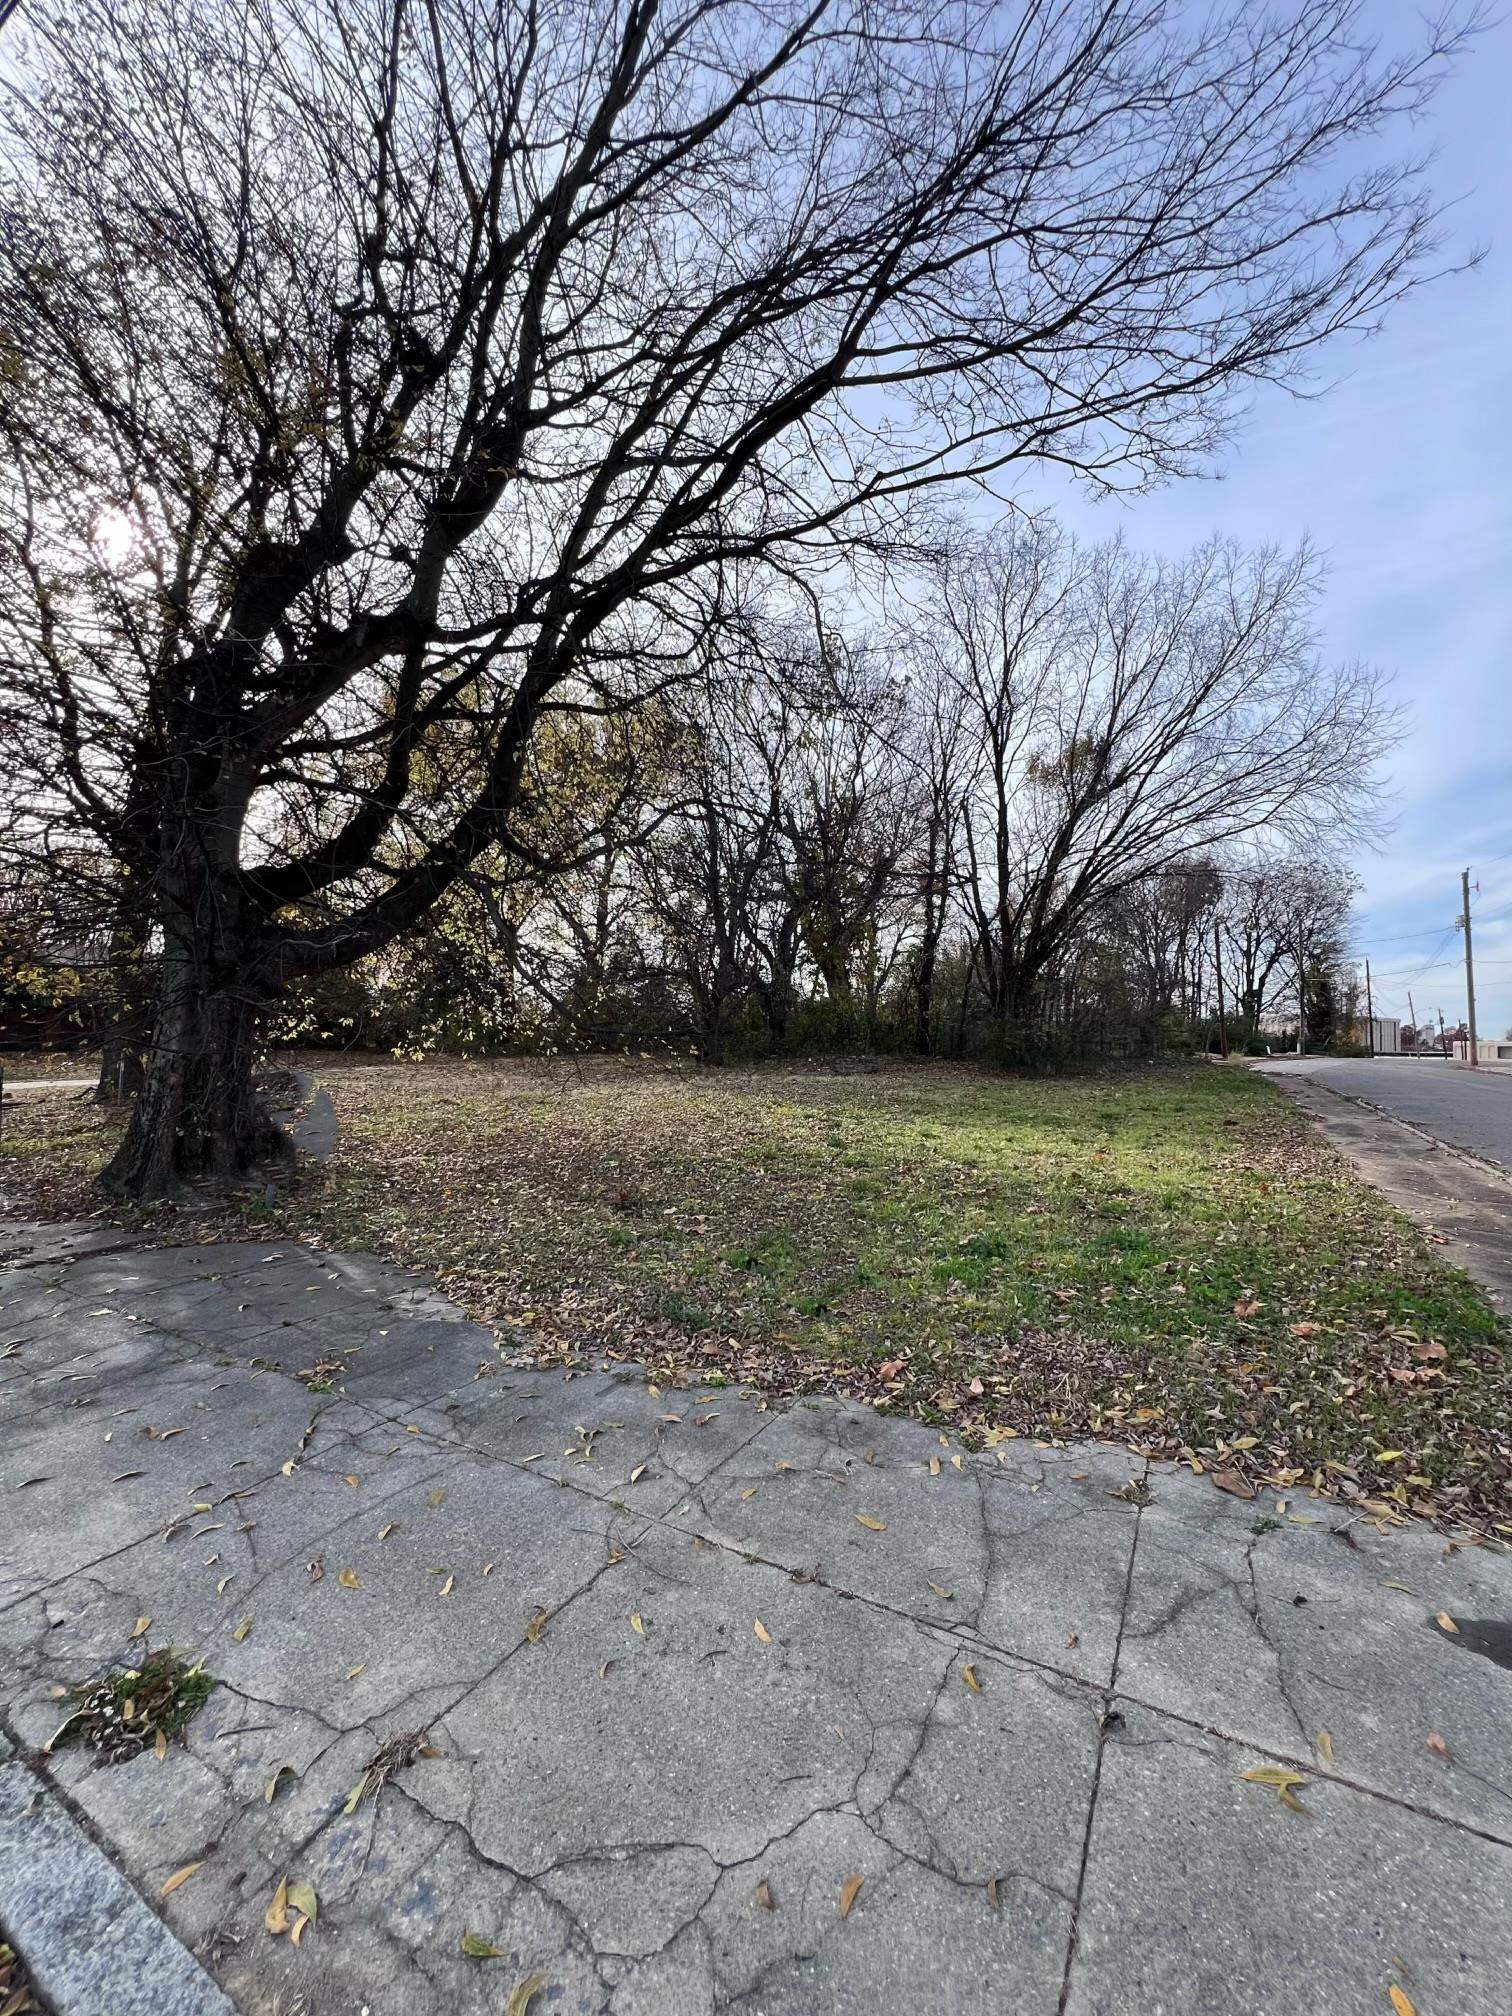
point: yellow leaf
(288, 1468)
(160, 1747)
(178, 1877)
(448, 1585)
(242, 1629)
(436, 1500)
(749, 1494)
(384, 1531)
(638, 1624)
(348, 1579)
(353, 1671)
(354, 1797)
(872, 1525)
(354, 1481)
(302, 1898)
(283, 1771)
(934, 1466)
(762, 1632)
(476, 1947)
(969, 1675)
(141, 1627)
(1402, 2002)
(1325, 1747)
(522, 1994)
(276, 1917)
(1273, 1774)
(638, 1471)
(297, 1928)
(1391, 1455)
(850, 1890)
(1445, 1622)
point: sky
(1399, 473)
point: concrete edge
(1483, 1163)
(90, 1942)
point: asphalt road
(1466, 1109)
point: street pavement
(724, 1705)
(1463, 1108)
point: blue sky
(1399, 474)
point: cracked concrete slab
(677, 1656)
(1204, 1893)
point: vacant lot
(1164, 1255)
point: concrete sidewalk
(692, 1667)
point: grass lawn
(1165, 1255)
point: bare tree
(378, 368)
(1128, 716)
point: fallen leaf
(1273, 1774)
(638, 1624)
(536, 1626)
(348, 1579)
(992, 1893)
(354, 1797)
(179, 1876)
(276, 1917)
(762, 1632)
(945, 1595)
(296, 1930)
(353, 1671)
(1233, 1483)
(638, 1471)
(1304, 1329)
(1439, 1747)
(522, 1994)
(384, 1531)
(160, 1747)
(764, 1896)
(969, 1675)
(281, 1772)
(242, 1629)
(1325, 1747)
(436, 1500)
(302, 1898)
(1401, 2001)
(1445, 1622)
(872, 1525)
(448, 1585)
(354, 1481)
(850, 1890)
(141, 1627)
(476, 1947)
(934, 1466)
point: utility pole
(1301, 990)
(1443, 1034)
(1369, 1013)
(1218, 974)
(1413, 1013)
(1469, 968)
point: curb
(90, 1943)
(1483, 1163)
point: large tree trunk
(198, 1113)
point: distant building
(1486, 1051)
(1386, 1035)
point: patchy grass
(136, 1708)
(1168, 1256)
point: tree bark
(198, 1113)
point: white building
(1386, 1035)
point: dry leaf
(992, 1893)
(850, 1890)
(448, 1585)
(280, 1773)
(751, 1493)
(1439, 1747)
(522, 1994)
(348, 1579)
(872, 1525)
(1233, 1483)
(353, 1671)
(1325, 1747)
(354, 1797)
(945, 1595)
(764, 1896)
(934, 1466)
(276, 1917)
(436, 1500)
(384, 1531)
(762, 1632)
(536, 1626)
(1401, 2001)
(969, 1675)
(302, 1898)
(1445, 1622)
(638, 1624)
(476, 1947)
(354, 1481)
(638, 1471)
(1273, 1774)
(180, 1876)
(242, 1629)
(160, 1747)
(141, 1627)
(297, 1929)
